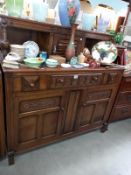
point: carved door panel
(61, 41)
(38, 117)
(71, 111)
(92, 108)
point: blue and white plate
(105, 52)
(31, 49)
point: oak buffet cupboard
(47, 105)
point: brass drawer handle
(60, 80)
(32, 84)
(62, 109)
(84, 104)
(95, 78)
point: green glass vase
(14, 7)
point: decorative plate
(105, 52)
(31, 49)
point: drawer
(113, 78)
(98, 95)
(126, 84)
(77, 80)
(120, 113)
(29, 83)
(124, 98)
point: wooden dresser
(47, 105)
(122, 107)
(2, 127)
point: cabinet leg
(104, 127)
(11, 157)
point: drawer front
(124, 98)
(98, 95)
(120, 113)
(126, 84)
(59, 81)
(113, 78)
(29, 83)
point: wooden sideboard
(2, 127)
(47, 105)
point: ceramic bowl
(52, 63)
(33, 62)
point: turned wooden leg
(104, 127)
(11, 157)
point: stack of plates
(18, 49)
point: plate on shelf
(105, 52)
(31, 49)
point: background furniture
(122, 108)
(2, 127)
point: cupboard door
(92, 108)
(38, 117)
(61, 41)
(71, 111)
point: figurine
(3, 9)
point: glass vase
(14, 7)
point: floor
(90, 154)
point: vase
(40, 10)
(14, 7)
(68, 11)
(86, 7)
(70, 51)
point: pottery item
(88, 21)
(86, 52)
(86, 6)
(13, 57)
(68, 11)
(84, 64)
(73, 61)
(81, 58)
(52, 63)
(59, 58)
(52, 3)
(43, 55)
(70, 51)
(65, 65)
(14, 7)
(31, 49)
(40, 10)
(78, 66)
(28, 9)
(33, 62)
(105, 52)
